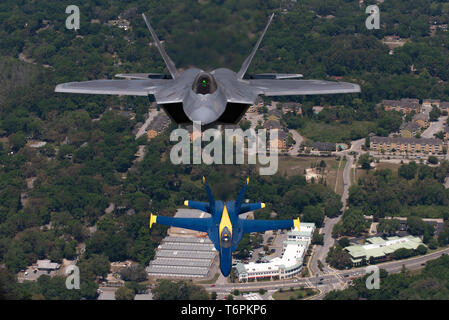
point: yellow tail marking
(247, 180)
(296, 223)
(186, 203)
(225, 221)
(153, 219)
(262, 205)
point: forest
(415, 189)
(429, 284)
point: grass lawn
(379, 166)
(296, 294)
(292, 166)
(213, 280)
(339, 185)
(335, 131)
(387, 165)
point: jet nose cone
(204, 115)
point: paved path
(320, 252)
(152, 113)
(434, 127)
(298, 139)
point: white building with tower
(286, 266)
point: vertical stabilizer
(248, 60)
(168, 62)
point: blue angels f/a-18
(221, 96)
(224, 228)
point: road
(329, 280)
(298, 139)
(152, 113)
(434, 127)
(320, 252)
(254, 118)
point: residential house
(257, 104)
(410, 129)
(431, 102)
(317, 109)
(272, 124)
(157, 126)
(404, 105)
(47, 265)
(282, 140)
(410, 145)
(446, 133)
(274, 114)
(422, 119)
(294, 107)
(444, 106)
(324, 147)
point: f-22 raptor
(224, 228)
(221, 96)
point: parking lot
(32, 274)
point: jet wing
(198, 224)
(270, 87)
(249, 226)
(143, 76)
(114, 87)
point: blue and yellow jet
(224, 228)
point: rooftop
(405, 102)
(47, 264)
(421, 116)
(294, 251)
(401, 140)
(159, 123)
(324, 146)
(378, 247)
(410, 126)
(272, 124)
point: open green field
(379, 166)
(335, 131)
(387, 165)
(291, 166)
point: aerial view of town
(248, 151)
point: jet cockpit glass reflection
(204, 84)
(226, 238)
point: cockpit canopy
(204, 84)
(226, 238)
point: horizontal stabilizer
(203, 206)
(247, 207)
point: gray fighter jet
(221, 96)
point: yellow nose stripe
(225, 221)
